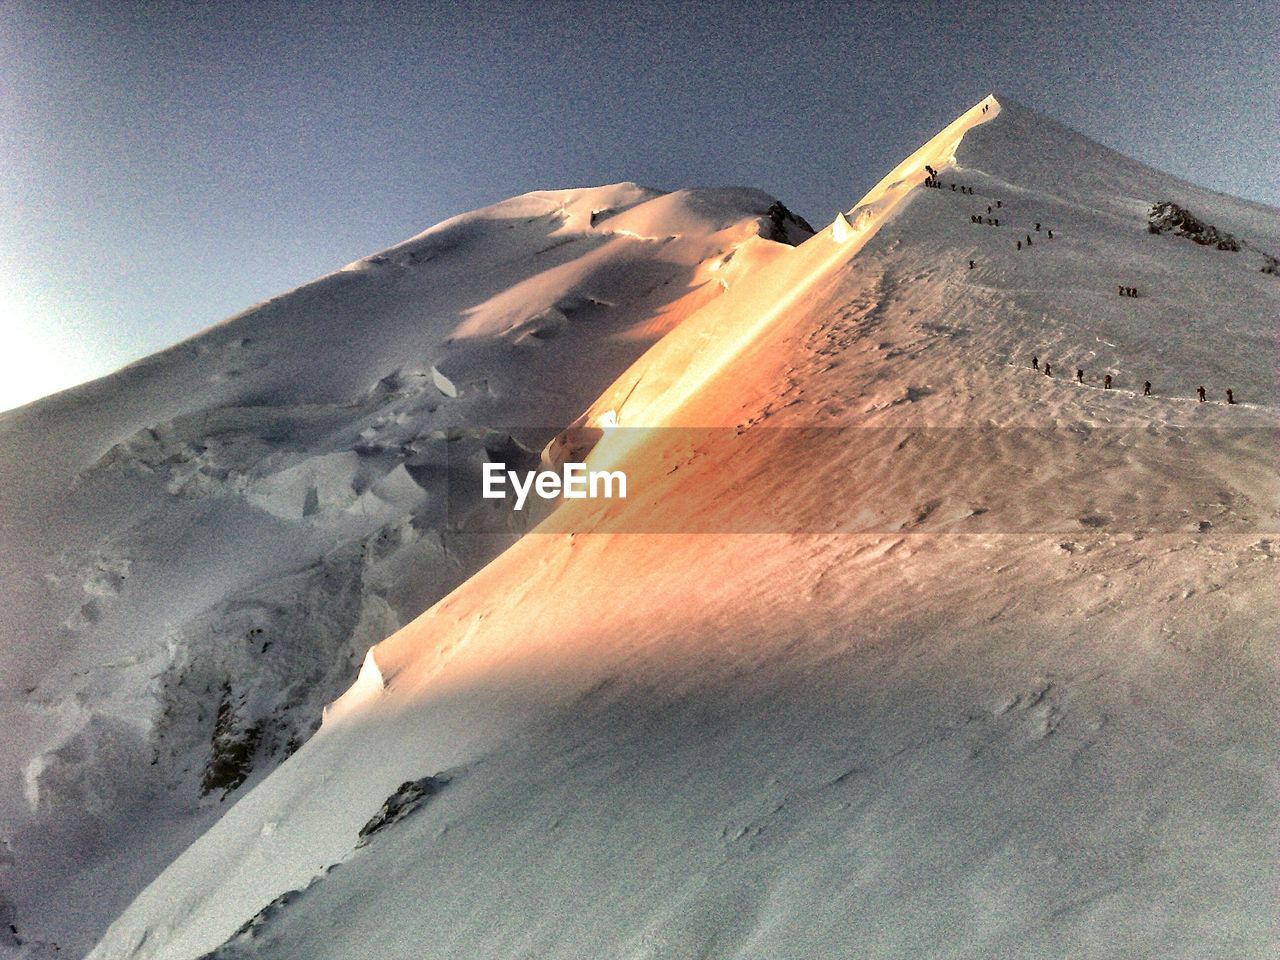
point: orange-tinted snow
(955, 740)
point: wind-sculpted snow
(930, 737)
(198, 551)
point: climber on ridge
(1035, 363)
(1106, 382)
(1200, 391)
(1230, 397)
(1079, 375)
(1146, 388)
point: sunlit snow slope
(903, 729)
(197, 551)
(968, 707)
(953, 705)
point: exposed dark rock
(253, 934)
(1180, 221)
(408, 797)
(787, 227)
(232, 749)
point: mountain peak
(932, 554)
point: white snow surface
(197, 551)
(905, 728)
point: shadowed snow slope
(198, 550)
(950, 707)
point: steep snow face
(198, 551)
(1200, 317)
(919, 736)
(656, 388)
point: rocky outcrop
(787, 227)
(409, 797)
(1167, 215)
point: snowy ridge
(970, 743)
(198, 551)
(652, 392)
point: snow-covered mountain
(198, 550)
(898, 646)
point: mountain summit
(940, 620)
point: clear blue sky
(164, 165)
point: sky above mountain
(165, 165)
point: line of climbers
(1121, 290)
(1106, 380)
(995, 222)
(1028, 240)
(991, 221)
(955, 188)
(932, 181)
